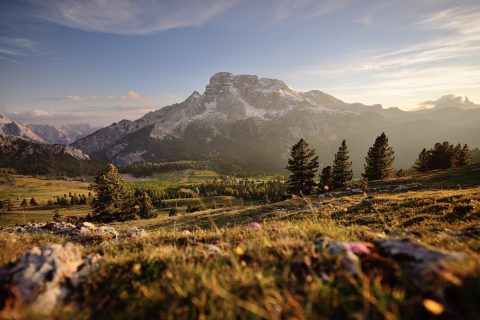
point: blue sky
(99, 61)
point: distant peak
(221, 77)
(194, 95)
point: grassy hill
(216, 264)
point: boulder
(45, 276)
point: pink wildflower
(254, 225)
(359, 248)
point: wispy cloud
(307, 9)
(13, 49)
(130, 96)
(128, 17)
(447, 61)
(93, 115)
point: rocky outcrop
(45, 277)
(9, 127)
(82, 232)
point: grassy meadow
(213, 264)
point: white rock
(44, 277)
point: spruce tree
(303, 164)
(465, 158)
(422, 164)
(145, 206)
(342, 173)
(440, 157)
(114, 199)
(456, 159)
(326, 179)
(379, 160)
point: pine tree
(440, 157)
(422, 164)
(145, 206)
(379, 160)
(326, 179)
(303, 164)
(456, 159)
(113, 198)
(465, 159)
(342, 173)
(33, 202)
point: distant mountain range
(29, 157)
(254, 121)
(45, 133)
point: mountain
(28, 157)
(254, 122)
(45, 133)
(64, 134)
(9, 127)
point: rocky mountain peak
(8, 127)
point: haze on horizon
(102, 60)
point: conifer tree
(113, 198)
(342, 173)
(456, 159)
(33, 202)
(440, 157)
(303, 164)
(422, 164)
(379, 160)
(326, 179)
(145, 206)
(465, 157)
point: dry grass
(210, 264)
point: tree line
(442, 156)
(247, 189)
(303, 164)
(115, 201)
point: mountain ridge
(254, 121)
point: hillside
(253, 121)
(409, 250)
(29, 157)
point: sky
(100, 61)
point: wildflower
(136, 268)
(359, 248)
(239, 250)
(254, 225)
(433, 306)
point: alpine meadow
(203, 159)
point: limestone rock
(46, 276)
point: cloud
(93, 115)
(134, 95)
(11, 49)
(448, 101)
(128, 17)
(91, 109)
(446, 61)
(308, 9)
(130, 96)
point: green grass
(17, 187)
(173, 179)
